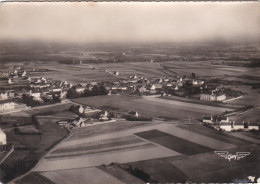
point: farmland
(168, 148)
(30, 145)
(150, 106)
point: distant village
(41, 91)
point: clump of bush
(130, 117)
(139, 174)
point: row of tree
(95, 91)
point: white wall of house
(221, 97)
(7, 106)
(3, 96)
(2, 137)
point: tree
(193, 75)
(35, 121)
(72, 93)
(55, 99)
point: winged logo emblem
(228, 156)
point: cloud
(130, 21)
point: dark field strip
(129, 148)
(34, 177)
(98, 146)
(172, 142)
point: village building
(156, 86)
(218, 96)
(142, 89)
(116, 73)
(3, 96)
(35, 95)
(10, 81)
(104, 117)
(208, 120)
(7, 105)
(77, 122)
(56, 89)
(245, 126)
(24, 74)
(80, 89)
(2, 137)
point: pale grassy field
(153, 107)
(81, 176)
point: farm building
(2, 137)
(104, 117)
(239, 126)
(214, 119)
(213, 97)
(208, 120)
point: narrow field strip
(97, 160)
(98, 152)
(97, 146)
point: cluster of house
(84, 122)
(143, 85)
(224, 123)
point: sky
(105, 22)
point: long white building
(2, 137)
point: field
(212, 133)
(213, 168)
(30, 148)
(150, 106)
(80, 176)
(172, 142)
(251, 115)
(106, 128)
(146, 69)
(159, 139)
(74, 73)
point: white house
(3, 96)
(2, 137)
(239, 126)
(7, 105)
(80, 89)
(35, 95)
(208, 120)
(81, 109)
(156, 86)
(10, 81)
(104, 117)
(195, 82)
(56, 90)
(24, 74)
